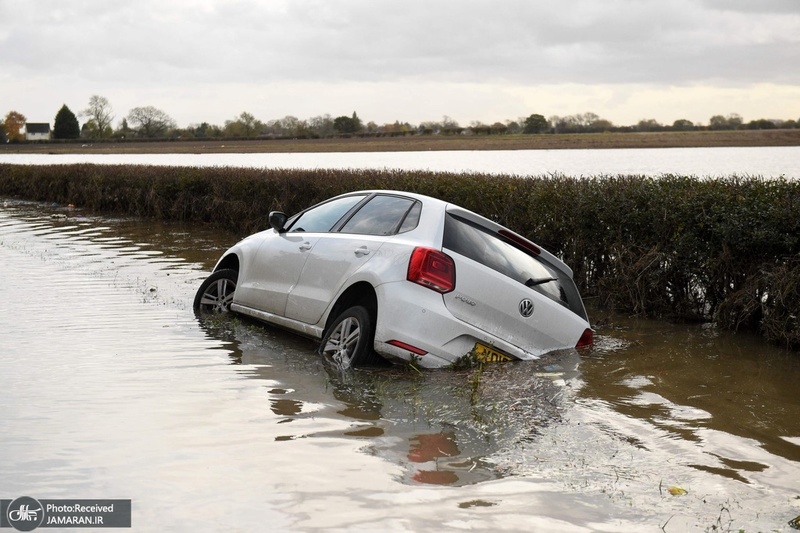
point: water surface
(111, 388)
(768, 162)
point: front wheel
(216, 293)
(348, 342)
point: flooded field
(111, 388)
(765, 161)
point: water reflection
(428, 448)
(442, 426)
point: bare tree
(449, 124)
(287, 126)
(150, 122)
(249, 123)
(245, 125)
(321, 125)
(731, 122)
(100, 116)
(580, 123)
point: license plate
(484, 354)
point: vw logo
(526, 307)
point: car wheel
(216, 292)
(348, 341)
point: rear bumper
(414, 315)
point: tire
(348, 341)
(216, 293)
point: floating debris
(476, 503)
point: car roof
(416, 196)
(440, 205)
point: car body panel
(491, 302)
(429, 326)
(273, 269)
(333, 261)
(309, 330)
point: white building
(37, 131)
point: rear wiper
(534, 282)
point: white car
(404, 276)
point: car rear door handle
(362, 251)
(305, 246)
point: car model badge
(465, 300)
(526, 307)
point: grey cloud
(515, 41)
(751, 6)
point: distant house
(37, 131)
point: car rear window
(383, 215)
(510, 259)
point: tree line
(149, 122)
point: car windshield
(322, 218)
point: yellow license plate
(484, 354)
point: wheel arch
(229, 261)
(360, 293)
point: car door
(340, 254)
(280, 259)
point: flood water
(766, 162)
(111, 388)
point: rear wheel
(216, 292)
(348, 341)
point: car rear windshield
(510, 259)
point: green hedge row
(676, 247)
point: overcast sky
(410, 60)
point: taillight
(528, 245)
(587, 339)
(407, 347)
(433, 269)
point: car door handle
(362, 251)
(305, 246)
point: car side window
(382, 215)
(322, 218)
(412, 218)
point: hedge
(678, 247)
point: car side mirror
(277, 220)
